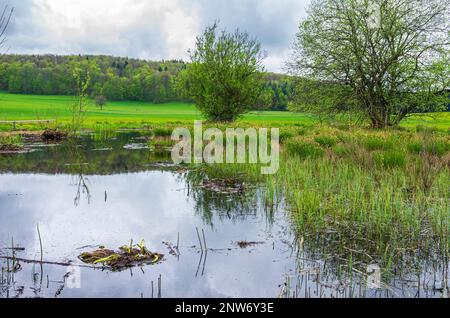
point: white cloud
(156, 29)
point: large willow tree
(384, 59)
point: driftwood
(31, 261)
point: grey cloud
(271, 21)
(145, 28)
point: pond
(90, 193)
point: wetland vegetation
(360, 205)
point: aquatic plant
(386, 204)
(162, 132)
(127, 256)
(11, 143)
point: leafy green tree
(384, 59)
(115, 78)
(225, 76)
(100, 101)
(113, 89)
(81, 78)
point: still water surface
(91, 193)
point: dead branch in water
(31, 261)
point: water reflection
(82, 195)
(151, 205)
(87, 155)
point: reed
(368, 191)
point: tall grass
(11, 141)
(383, 195)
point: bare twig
(199, 240)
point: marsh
(83, 198)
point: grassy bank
(363, 196)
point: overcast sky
(148, 29)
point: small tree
(79, 106)
(385, 59)
(100, 101)
(225, 74)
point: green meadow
(135, 114)
(34, 107)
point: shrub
(100, 101)
(390, 159)
(304, 149)
(326, 141)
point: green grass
(138, 114)
(380, 194)
(375, 196)
(10, 142)
(34, 107)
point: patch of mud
(32, 137)
(54, 135)
(11, 147)
(15, 149)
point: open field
(33, 107)
(129, 113)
